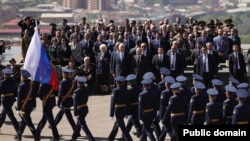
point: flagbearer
(81, 95)
(47, 95)
(26, 101)
(8, 91)
(65, 100)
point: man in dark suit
(236, 39)
(158, 41)
(139, 65)
(237, 66)
(147, 53)
(206, 67)
(150, 38)
(159, 60)
(204, 38)
(139, 36)
(176, 61)
(87, 47)
(196, 52)
(132, 51)
(221, 45)
(215, 55)
(129, 44)
(121, 62)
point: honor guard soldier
(47, 95)
(196, 77)
(164, 72)
(148, 101)
(245, 86)
(155, 88)
(229, 104)
(134, 92)
(234, 82)
(217, 84)
(176, 110)
(26, 101)
(81, 96)
(65, 100)
(119, 108)
(213, 108)
(241, 112)
(8, 91)
(197, 106)
(165, 96)
(185, 91)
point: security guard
(165, 96)
(229, 104)
(134, 92)
(81, 95)
(7, 92)
(175, 110)
(26, 101)
(241, 112)
(217, 84)
(47, 95)
(164, 72)
(148, 101)
(213, 108)
(155, 88)
(65, 100)
(245, 86)
(119, 108)
(197, 106)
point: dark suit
(178, 67)
(194, 57)
(221, 45)
(216, 59)
(208, 75)
(140, 67)
(47, 96)
(129, 44)
(156, 43)
(87, 49)
(121, 67)
(63, 54)
(204, 40)
(157, 64)
(238, 73)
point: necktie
(121, 56)
(160, 57)
(236, 61)
(138, 59)
(172, 61)
(204, 63)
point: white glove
(141, 122)
(18, 112)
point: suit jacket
(204, 40)
(157, 64)
(162, 43)
(232, 63)
(140, 68)
(63, 54)
(194, 56)
(122, 67)
(179, 66)
(221, 44)
(129, 44)
(211, 65)
(150, 46)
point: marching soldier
(221, 97)
(229, 104)
(65, 100)
(26, 101)
(213, 108)
(134, 92)
(119, 107)
(47, 96)
(148, 102)
(241, 112)
(175, 111)
(165, 96)
(81, 95)
(164, 72)
(8, 91)
(197, 105)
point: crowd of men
(145, 62)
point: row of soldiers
(70, 93)
(172, 103)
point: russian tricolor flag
(37, 63)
